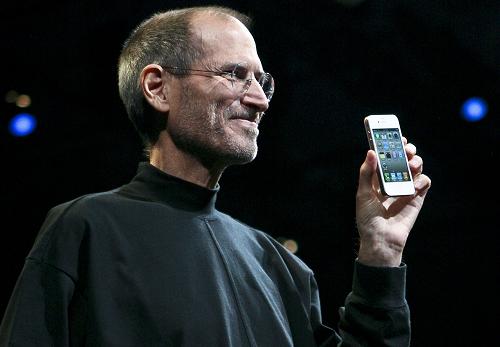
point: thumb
(366, 172)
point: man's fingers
(422, 184)
(416, 165)
(410, 149)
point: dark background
(333, 64)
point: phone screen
(390, 150)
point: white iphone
(385, 138)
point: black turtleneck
(155, 185)
(154, 263)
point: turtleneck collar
(151, 183)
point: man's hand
(384, 223)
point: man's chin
(241, 154)
(244, 157)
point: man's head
(175, 75)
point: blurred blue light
(22, 124)
(474, 109)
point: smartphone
(385, 138)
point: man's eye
(240, 72)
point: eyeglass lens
(266, 81)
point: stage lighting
(23, 101)
(291, 245)
(22, 124)
(474, 109)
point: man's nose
(255, 97)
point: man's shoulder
(67, 222)
(75, 213)
(87, 202)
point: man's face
(210, 117)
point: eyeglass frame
(265, 76)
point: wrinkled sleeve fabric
(376, 312)
(37, 313)
(39, 309)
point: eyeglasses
(238, 74)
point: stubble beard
(205, 134)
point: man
(153, 263)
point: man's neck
(168, 158)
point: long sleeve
(46, 308)
(37, 313)
(376, 312)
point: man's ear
(155, 87)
